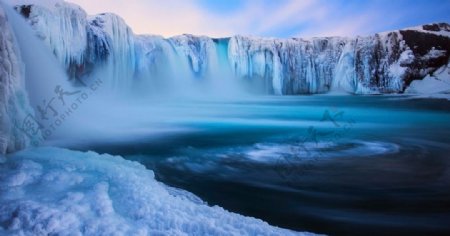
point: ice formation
(14, 106)
(382, 63)
(56, 191)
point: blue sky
(272, 18)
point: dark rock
(24, 10)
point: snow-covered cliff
(104, 45)
(382, 63)
(14, 105)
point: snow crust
(56, 191)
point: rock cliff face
(381, 63)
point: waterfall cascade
(105, 47)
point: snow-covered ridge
(442, 29)
(50, 191)
(382, 63)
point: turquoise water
(345, 165)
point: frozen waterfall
(104, 47)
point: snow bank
(57, 191)
(438, 83)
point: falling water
(42, 71)
(52, 96)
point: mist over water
(353, 163)
(42, 71)
(98, 107)
(52, 95)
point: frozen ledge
(57, 191)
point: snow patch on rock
(438, 83)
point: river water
(340, 165)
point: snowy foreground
(57, 191)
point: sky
(271, 18)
